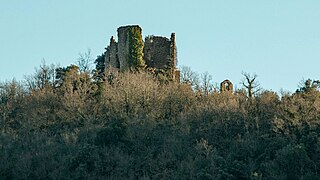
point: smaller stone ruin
(226, 86)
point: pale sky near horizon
(279, 40)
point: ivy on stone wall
(135, 59)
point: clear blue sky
(279, 40)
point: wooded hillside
(69, 123)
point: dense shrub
(134, 127)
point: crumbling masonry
(226, 86)
(158, 52)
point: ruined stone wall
(123, 45)
(173, 50)
(173, 58)
(226, 86)
(157, 52)
(111, 57)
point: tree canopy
(66, 124)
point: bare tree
(84, 61)
(309, 86)
(206, 82)
(44, 77)
(189, 77)
(250, 83)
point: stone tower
(123, 44)
(156, 52)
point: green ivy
(135, 59)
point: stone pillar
(113, 55)
(173, 50)
(173, 58)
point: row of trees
(71, 123)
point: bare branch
(84, 61)
(250, 83)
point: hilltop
(132, 118)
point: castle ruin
(156, 51)
(226, 86)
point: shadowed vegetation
(69, 123)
